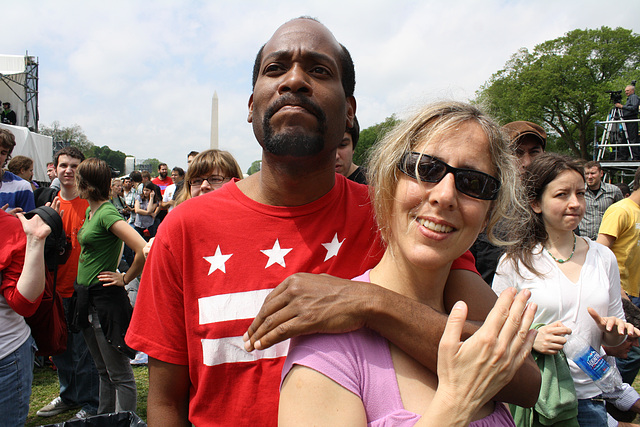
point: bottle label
(592, 364)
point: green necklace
(562, 261)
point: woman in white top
(573, 280)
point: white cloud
(139, 76)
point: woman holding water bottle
(574, 281)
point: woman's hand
(551, 338)
(470, 373)
(35, 228)
(13, 211)
(147, 247)
(613, 329)
(111, 278)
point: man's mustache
(297, 100)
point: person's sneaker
(56, 407)
(81, 415)
(141, 359)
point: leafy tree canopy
(65, 136)
(74, 136)
(369, 136)
(562, 84)
(255, 167)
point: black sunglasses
(478, 185)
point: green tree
(562, 84)
(255, 167)
(153, 165)
(73, 135)
(115, 159)
(369, 136)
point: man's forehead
(304, 34)
(68, 159)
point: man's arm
(168, 399)
(306, 304)
(606, 239)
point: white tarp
(12, 64)
(37, 147)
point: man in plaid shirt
(599, 196)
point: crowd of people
(443, 293)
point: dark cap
(516, 130)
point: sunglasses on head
(478, 185)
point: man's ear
(351, 111)
(250, 116)
(535, 205)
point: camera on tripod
(615, 96)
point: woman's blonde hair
(203, 164)
(428, 124)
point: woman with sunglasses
(208, 171)
(436, 183)
(573, 280)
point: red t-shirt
(14, 242)
(162, 183)
(74, 213)
(204, 282)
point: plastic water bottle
(605, 376)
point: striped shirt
(597, 204)
(16, 192)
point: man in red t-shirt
(219, 255)
(162, 180)
(77, 374)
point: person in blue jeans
(77, 374)
(21, 286)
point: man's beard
(163, 175)
(294, 144)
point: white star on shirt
(333, 247)
(217, 261)
(276, 254)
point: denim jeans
(16, 376)
(77, 373)
(630, 366)
(117, 383)
(592, 413)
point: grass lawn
(46, 387)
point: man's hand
(55, 205)
(305, 304)
(551, 338)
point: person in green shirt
(107, 306)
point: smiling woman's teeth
(440, 228)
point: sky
(139, 76)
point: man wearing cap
(599, 196)
(528, 141)
(7, 116)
